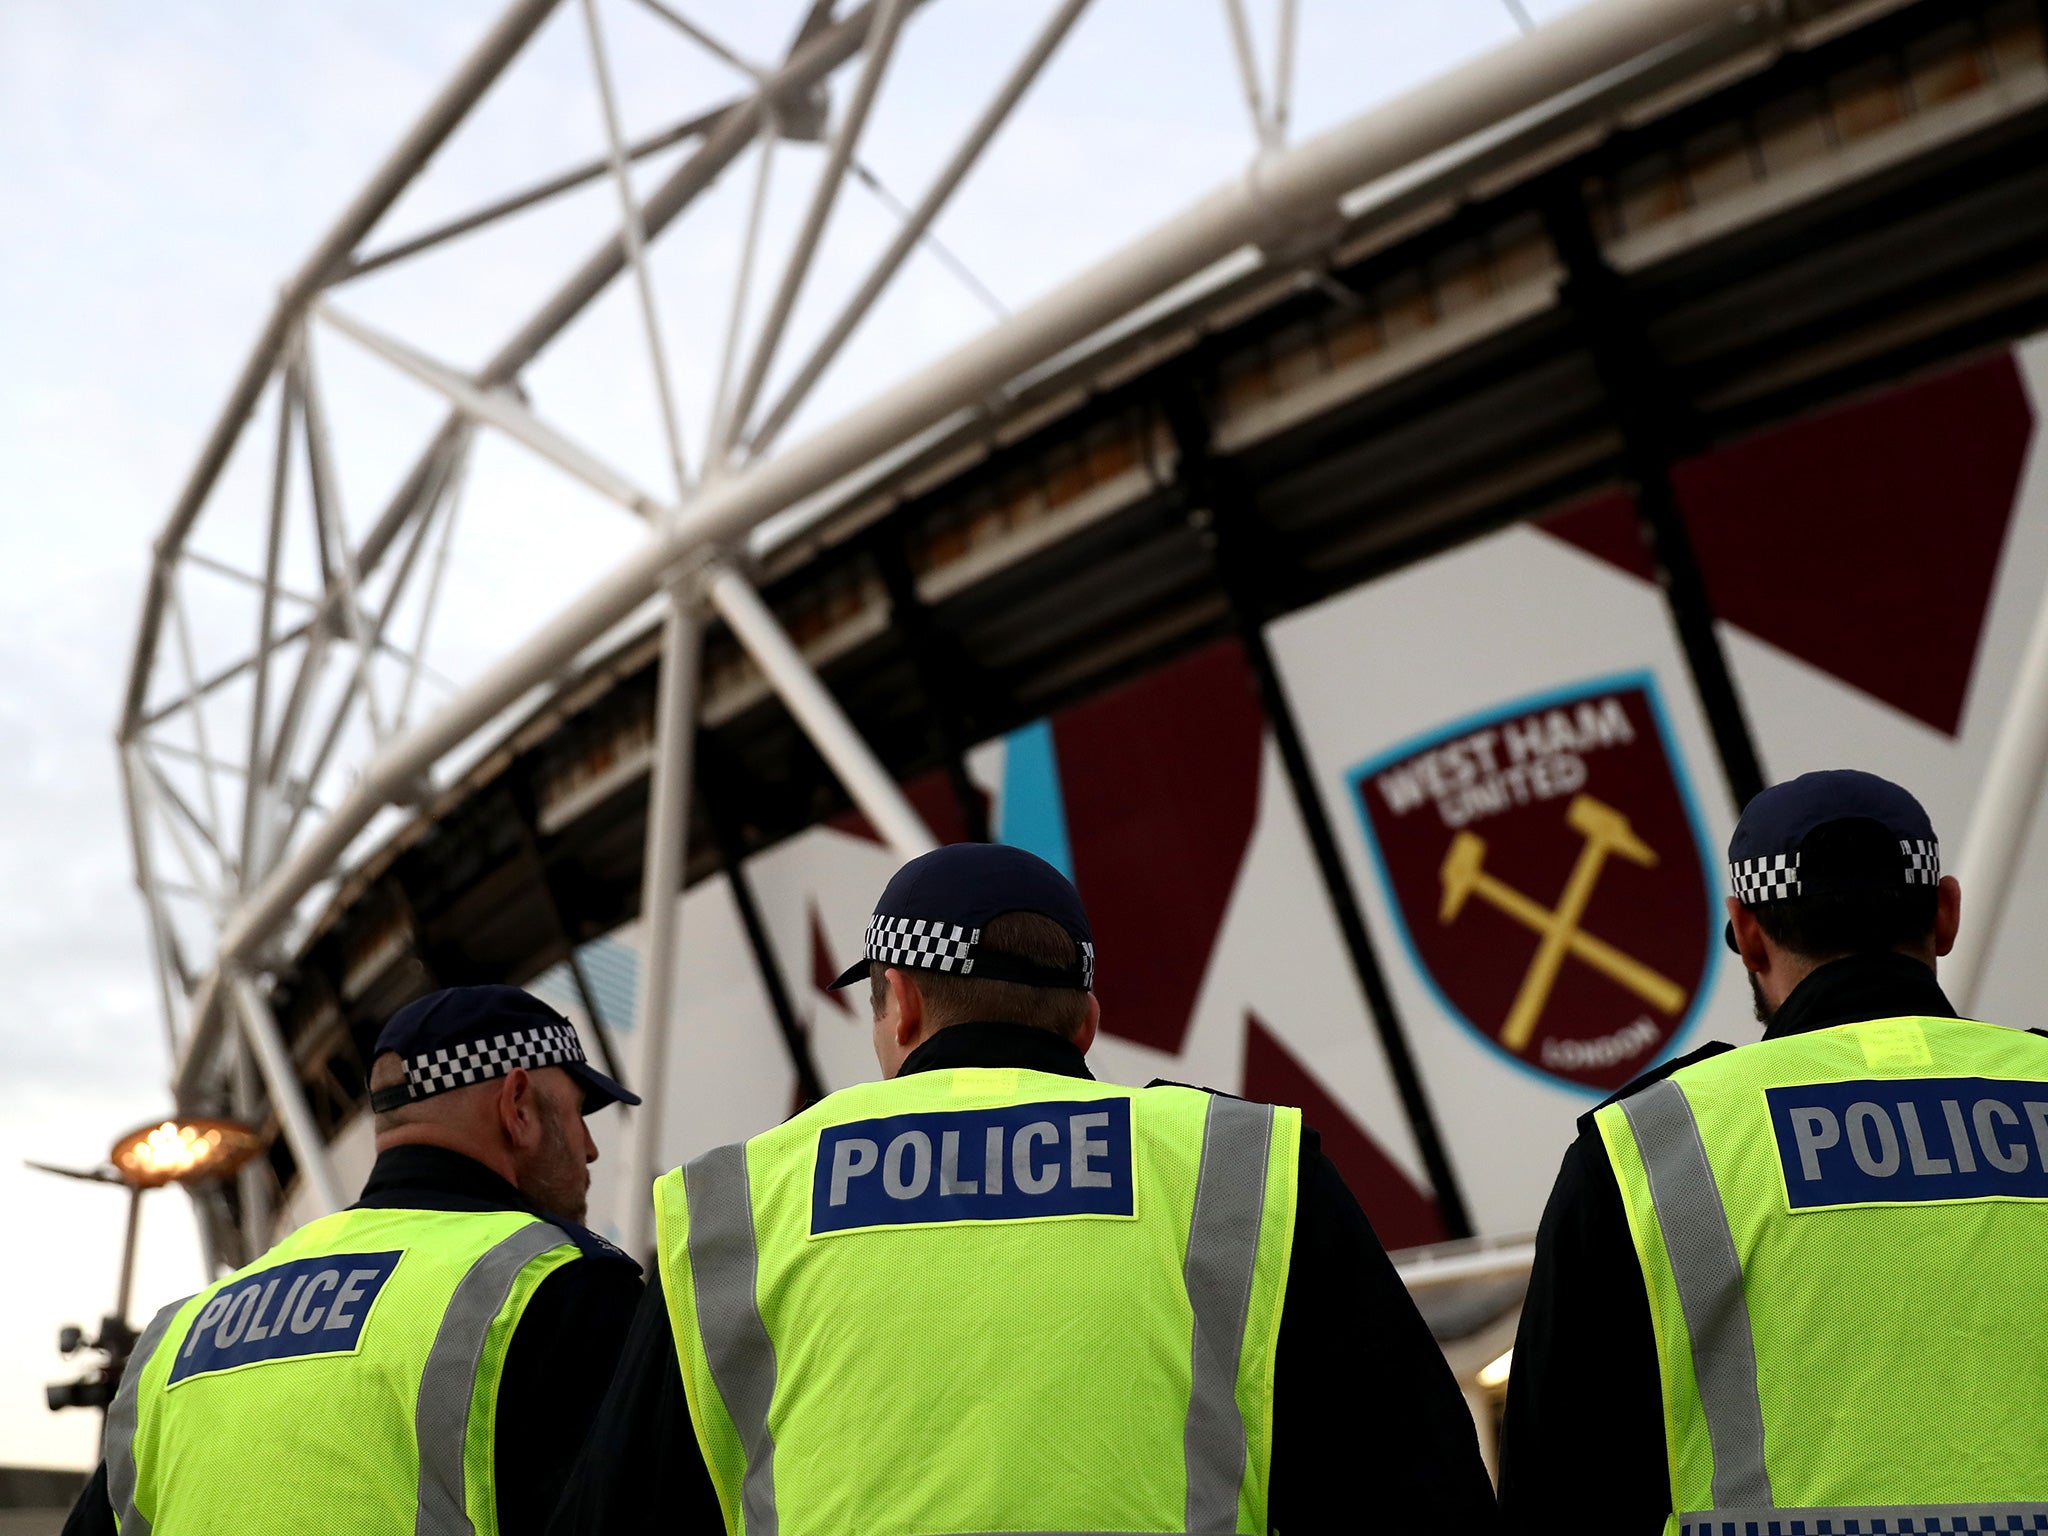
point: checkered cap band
(1773, 877)
(922, 944)
(927, 945)
(1776, 876)
(457, 1066)
(1923, 860)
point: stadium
(1378, 586)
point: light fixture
(1494, 1374)
(183, 1151)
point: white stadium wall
(1482, 727)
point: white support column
(881, 43)
(162, 941)
(205, 1199)
(253, 1182)
(214, 829)
(668, 829)
(743, 280)
(633, 235)
(252, 857)
(1248, 70)
(915, 224)
(287, 1097)
(449, 506)
(1283, 74)
(2000, 819)
(873, 790)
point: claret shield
(1548, 871)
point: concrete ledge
(39, 1488)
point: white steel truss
(255, 772)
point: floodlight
(183, 1151)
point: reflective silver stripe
(123, 1418)
(1901, 1519)
(1709, 1277)
(723, 1265)
(449, 1385)
(1223, 1248)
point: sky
(163, 169)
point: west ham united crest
(1549, 873)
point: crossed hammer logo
(1607, 833)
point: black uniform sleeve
(93, 1514)
(641, 1469)
(556, 1372)
(1370, 1431)
(1583, 1444)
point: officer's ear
(1749, 937)
(1948, 914)
(519, 1108)
(906, 1007)
(1084, 1037)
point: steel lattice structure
(254, 778)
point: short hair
(950, 999)
(388, 1071)
(1874, 910)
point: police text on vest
(313, 1306)
(1015, 1162)
(1887, 1141)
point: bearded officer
(426, 1360)
(1797, 1286)
(991, 1293)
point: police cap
(463, 1035)
(1879, 839)
(931, 915)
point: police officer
(991, 1293)
(426, 1360)
(1802, 1281)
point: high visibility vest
(1844, 1235)
(987, 1300)
(347, 1381)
